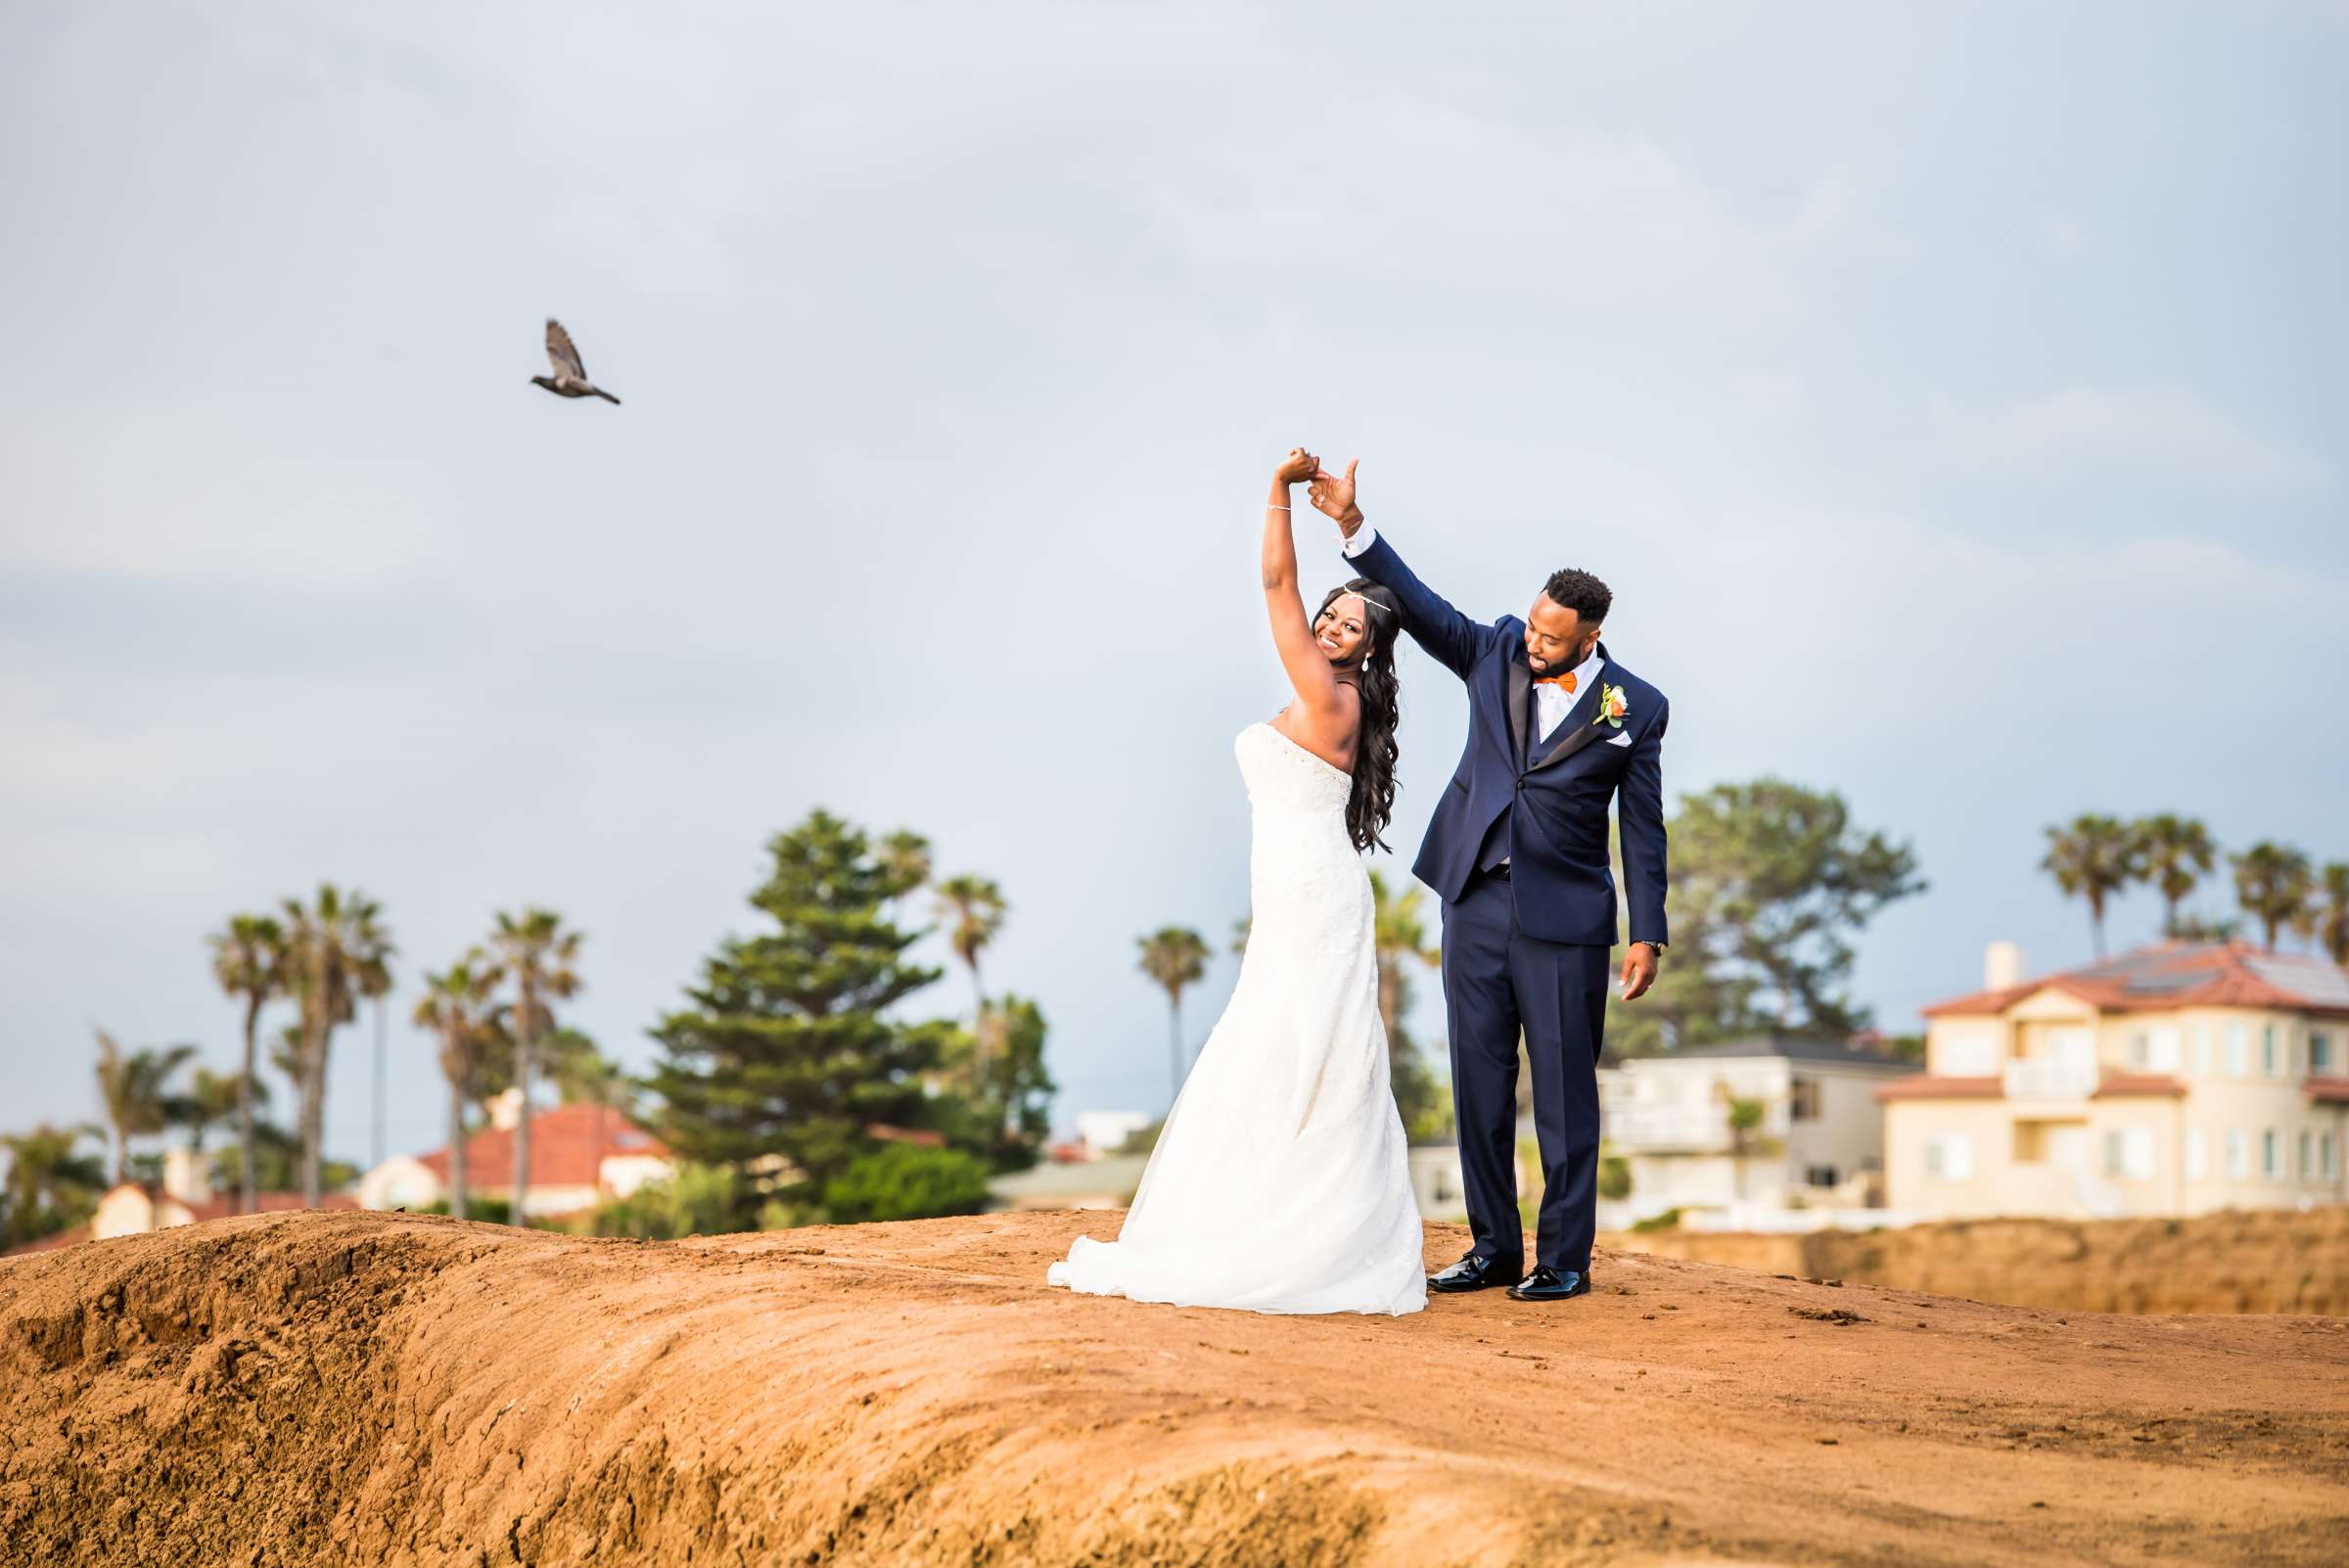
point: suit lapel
(1517, 688)
(1581, 727)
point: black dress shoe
(1545, 1283)
(1472, 1272)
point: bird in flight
(569, 379)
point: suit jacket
(1555, 798)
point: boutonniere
(1612, 706)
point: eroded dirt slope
(386, 1388)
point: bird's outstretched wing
(559, 349)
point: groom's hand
(1638, 969)
(1334, 497)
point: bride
(1280, 1182)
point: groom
(1518, 851)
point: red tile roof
(214, 1208)
(2133, 1085)
(921, 1137)
(567, 1147)
(2183, 974)
(1923, 1087)
(2328, 1091)
(221, 1205)
(50, 1242)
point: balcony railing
(2050, 1079)
(1668, 1126)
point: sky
(1953, 397)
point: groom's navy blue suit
(1518, 851)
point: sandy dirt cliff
(2266, 1260)
(391, 1389)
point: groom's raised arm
(1457, 641)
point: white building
(1104, 1133)
(184, 1197)
(1818, 1142)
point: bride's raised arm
(1326, 708)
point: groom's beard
(1550, 666)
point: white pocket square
(1622, 737)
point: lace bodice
(1283, 776)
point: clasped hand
(1332, 494)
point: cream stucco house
(2173, 1080)
(1820, 1142)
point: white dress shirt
(1551, 704)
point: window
(2129, 1152)
(1820, 1175)
(2308, 1155)
(2271, 1154)
(2320, 1051)
(1949, 1156)
(2238, 1051)
(2325, 1155)
(2203, 1049)
(2198, 1155)
(2140, 1048)
(2239, 1153)
(1965, 1055)
(1803, 1102)
(2162, 1050)
(2271, 1057)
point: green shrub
(906, 1182)
(1614, 1177)
(1669, 1219)
(699, 1200)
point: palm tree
(213, 1099)
(585, 1076)
(2329, 924)
(49, 1182)
(1745, 1120)
(2178, 852)
(248, 960)
(338, 952)
(2095, 858)
(458, 1007)
(1399, 931)
(134, 1087)
(537, 953)
(975, 908)
(2274, 885)
(1175, 957)
(906, 859)
(1241, 928)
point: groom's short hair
(1579, 591)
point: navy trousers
(1497, 982)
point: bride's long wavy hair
(1372, 802)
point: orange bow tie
(1564, 683)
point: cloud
(2167, 428)
(1592, 227)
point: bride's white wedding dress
(1281, 1182)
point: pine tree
(785, 1049)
